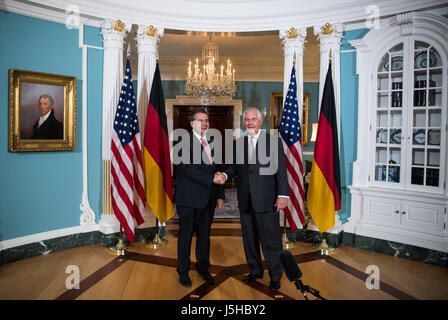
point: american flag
(127, 179)
(291, 135)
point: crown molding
(229, 16)
(33, 10)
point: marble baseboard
(372, 244)
(67, 242)
(397, 249)
(334, 240)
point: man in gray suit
(262, 191)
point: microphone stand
(305, 288)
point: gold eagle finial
(327, 29)
(292, 33)
(119, 26)
(151, 31)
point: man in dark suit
(196, 198)
(47, 126)
(262, 191)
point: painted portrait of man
(41, 111)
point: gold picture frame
(26, 89)
(276, 111)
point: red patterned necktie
(207, 149)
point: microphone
(292, 270)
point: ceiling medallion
(119, 26)
(208, 84)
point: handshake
(219, 178)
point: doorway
(221, 118)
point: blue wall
(41, 191)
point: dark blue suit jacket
(194, 182)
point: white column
(113, 40)
(147, 44)
(330, 40)
(293, 45)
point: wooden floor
(149, 273)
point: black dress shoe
(252, 277)
(274, 285)
(184, 279)
(207, 277)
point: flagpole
(323, 247)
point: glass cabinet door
(426, 116)
(410, 118)
(389, 116)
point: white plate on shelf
(421, 60)
(419, 137)
(397, 64)
(395, 136)
(434, 137)
(381, 136)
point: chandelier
(206, 82)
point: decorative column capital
(148, 38)
(329, 35)
(114, 32)
(293, 40)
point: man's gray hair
(47, 96)
(253, 109)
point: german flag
(156, 155)
(324, 191)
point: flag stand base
(324, 248)
(157, 241)
(120, 248)
(286, 243)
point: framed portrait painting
(276, 113)
(42, 112)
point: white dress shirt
(43, 118)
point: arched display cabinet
(399, 178)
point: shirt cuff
(280, 196)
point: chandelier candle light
(209, 84)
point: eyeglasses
(202, 120)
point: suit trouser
(264, 228)
(191, 220)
